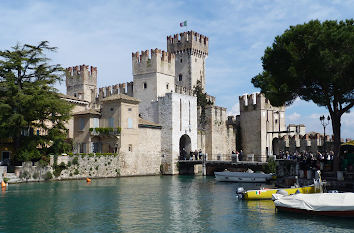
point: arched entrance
(275, 146)
(184, 147)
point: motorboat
(329, 204)
(249, 176)
(266, 194)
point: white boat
(249, 177)
(330, 204)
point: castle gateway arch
(184, 146)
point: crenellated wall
(159, 61)
(81, 82)
(260, 123)
(190, 41)
(121, 88)
(191, 50)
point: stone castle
(152, 119)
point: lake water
(147, 204)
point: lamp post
(324, 124)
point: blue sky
(104, 33)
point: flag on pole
(183, 24)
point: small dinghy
(329, 204)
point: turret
(81, 82)
(158, 62)
(191, 50)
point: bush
(97, 168)
(69, 164)
(35, 175)
(70, 174)
(6, 179)
(48, 176)
(44, 161)
(76, 172)
(76, 161)
(25, 175)
(62, 165)
(270, 167)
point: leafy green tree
(29, 101)
(202, 101)
(315, 62)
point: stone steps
(12, 178)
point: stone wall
(145, 159)
(88, 166)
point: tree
(29, 101)
(315, 62)
(202, 101)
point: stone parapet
(190, 42)
(159, 62)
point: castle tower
(191, 50)
(81, 82)
(260, 123)
(153, 76)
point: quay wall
(84, 166)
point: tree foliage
(202, 101)
(315, 62)
(29, 101)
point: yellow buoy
(3, 184)
(88, 180)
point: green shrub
(97, 168)
(48, 176)
(44, 161)
(5, 179)
(90, 168)
(109, 163)
(70, 174)
(25, 175)
(95, 160)
(35, 175)
(270, 167)
(62, 165)
(76, 172)
(76, 161)
(69, 164)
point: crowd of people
(192, 155)
(308, 160)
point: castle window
(129, 109)
(110, 122)
(111, 109)
(181, 60)
(130, 123)
(82, 124)
(180, 77)
(196, 60)
(167, 86)
(75, 95)
(96, 123)
(145, 85)
(130, 147)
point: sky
(105, 33)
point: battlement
(216, 113)
(121, 88)
(83, 74)
(256, 101)
(191, 42)
(159, 61)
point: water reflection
(147, 204)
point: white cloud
(235, 110)
(294, 117)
